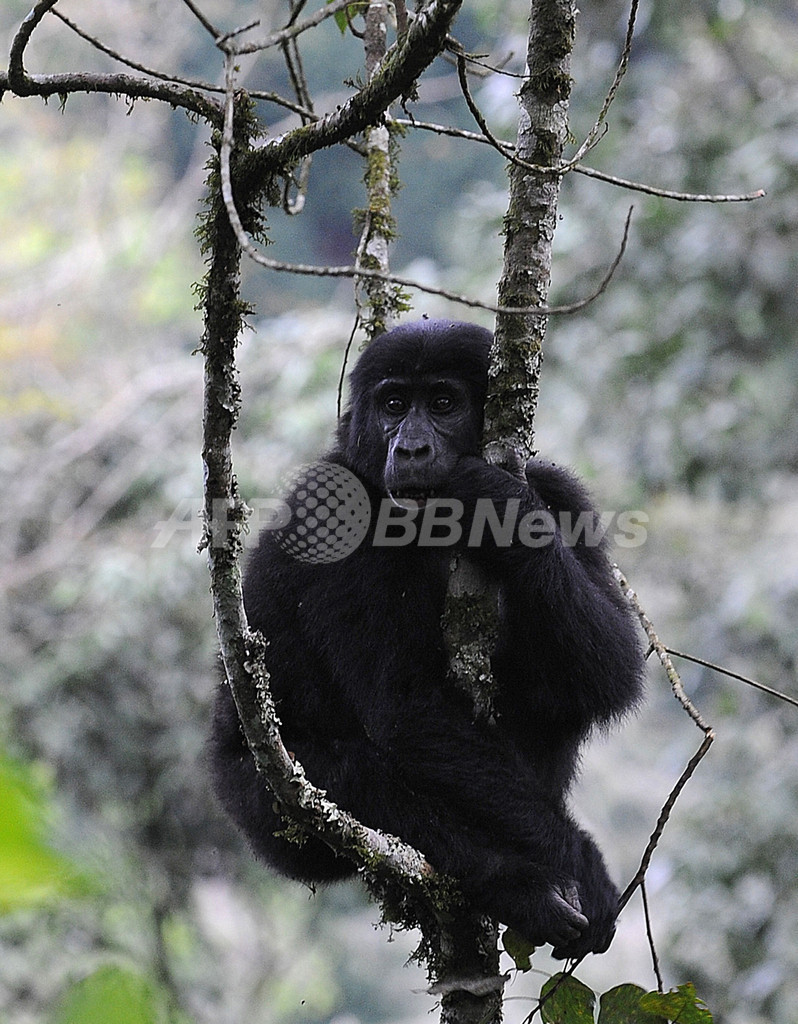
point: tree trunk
(471, 615)
(529, 226)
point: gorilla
(359, 668)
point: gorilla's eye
(394, 404)
(442, 403)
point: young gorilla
(359, 670)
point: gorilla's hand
(599, 903)
(544, 908)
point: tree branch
(19, 82)
(242, 651)
(507, 150)
(592, 136)
(709, 735)
(383, 298)
(403, 64)
(529, 226)
(734, 675)
(293, 29)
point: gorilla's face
(426, 422)
(416, 407)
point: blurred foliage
(32, 874)
(112, 994)
(675, 393)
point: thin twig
(661, 652)
(662, 821)
(192, 83)
(293, 205)
(592, 136)
(475, 111)
(665, 193)
(310, 270)
(209, 27)
(22, 84)
(344, 361)
(294, 29)
(234, 33)
(507, 149)
(129, 62)
(650, 937)
(678, 692)
(270, 97)
(296, 9)
(734, 675)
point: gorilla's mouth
(410, 499)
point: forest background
(675, 393)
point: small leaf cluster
(566, 1000)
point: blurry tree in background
(674, 393)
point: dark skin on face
(359, 669)
(426, 422)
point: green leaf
(621, 1005)
(681, 1005)
(112, 995)
(518, 948)
(343, 17)
(31, 873)
(340, 19)
(570, 1001)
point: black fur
(359, 671)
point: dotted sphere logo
(330, 514)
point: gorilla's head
(416, 406)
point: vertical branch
(471, 615)
(470, 618)
(529, 226)
(384, 300)
(224, 312)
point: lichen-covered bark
(385, 300)
(529, 226)
(471, 616)
(397, 76)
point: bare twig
(294, 28)
(293, 205)
(206, 23)
(662, 821)
(508, 149)
(22, 84)
(296, 9)
(270, 97)
(476, 112)
(662, 653)
(678, 692)
(593, 134)
(306, 113)
(129, 62)
(650, 936)
(734, 675)
(344, 361)
(665, 193)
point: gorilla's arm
(569, 657)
